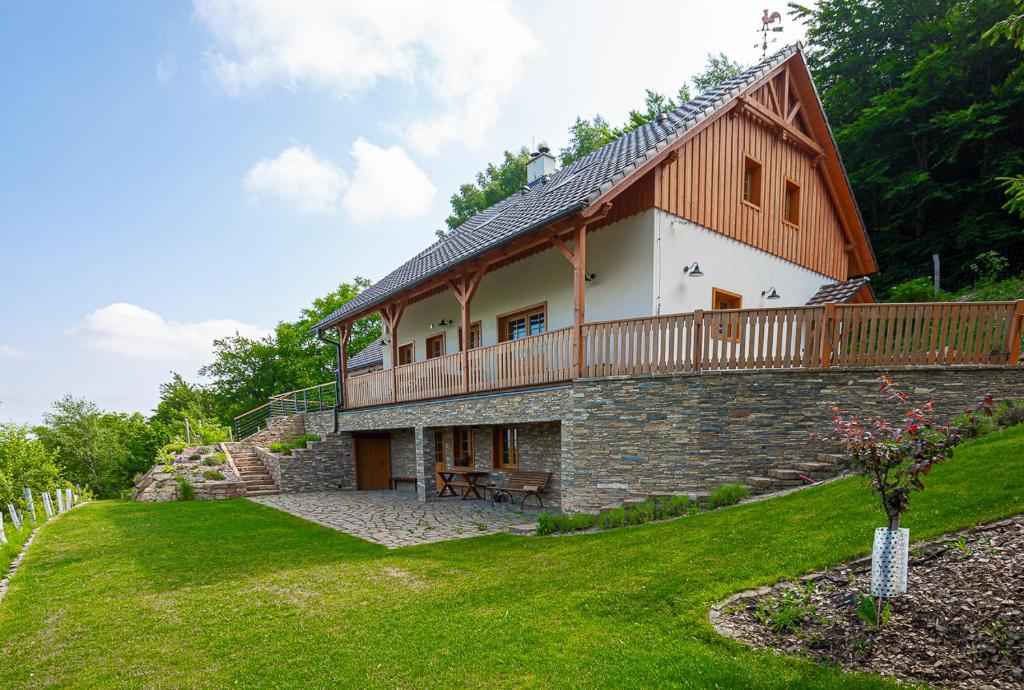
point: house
(573, 328)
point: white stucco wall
(619, 254)
(726, 264)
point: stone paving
(397, 518)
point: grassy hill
(216, 594)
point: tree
(84, 445)
(719, 68)
(245, 371)
(926, 116)
(24, 462)
(495, 183)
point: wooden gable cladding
(704, 184)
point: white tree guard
(889, 562)
(30, 503)
(3, 537)
(47, 505)
(15, 518)
(67, 498)
(60, 501)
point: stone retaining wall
(616, 438)
(328, 465)
(642, 435)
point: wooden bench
(525, 483)
(395, 481)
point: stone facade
(611, 439)
(688, 433)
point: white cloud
(10, 352)
(298, 178)
(131, 331)
(466, 55)
(386, 183)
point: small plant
(792, 609)
(168, 468)
(727, 495)
(215, 459)
(186, 492)
(286, 447)
(960, 545)
(175, 447)
(213, 475)
(195, 457)
(874, 613)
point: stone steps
(261, 492)
(251, 470)
(825, 466)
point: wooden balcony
(861, 335)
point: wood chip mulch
(960, 625)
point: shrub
(916, 290)
(286, 447)
(214, 475)
(175, 447)
(550, 523)
(215, 459)
(727, 495)
(186, 492)
(896, 456)
(195, 457)
(648, 511)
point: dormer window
(751, 181)
(791, 204)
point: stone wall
(688, 433)
(328, 465)
(280, 429)
(616, 438)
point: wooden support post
(392, 314)
(1017, 331)
(344, 332)
(579, 296)
(698, 338)
(828, 334)
(464, 287)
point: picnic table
(469, 486)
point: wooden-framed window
(723, 299)
(506, 448)
(791, 203)
(463, 451)
(435, 346)
(439, 447)
(752, 181)
(523, 323)
(474, 336)
(405, 354)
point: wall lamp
(442, 323)
(693, 270)
(771, 293)
(590, 277)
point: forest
(926, 100)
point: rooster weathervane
(767, 20)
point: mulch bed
(961, 623)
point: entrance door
(373, 462)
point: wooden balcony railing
(887, 335)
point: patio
(397, 518)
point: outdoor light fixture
(590, 277)
(441, 324)
(693, 270)
(770, 293)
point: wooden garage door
(373, 462)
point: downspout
(338, 392)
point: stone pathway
(396, 518)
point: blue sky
(173, 171)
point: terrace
(813, 337)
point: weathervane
(766, 25)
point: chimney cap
(542, 147)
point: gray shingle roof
(569, 190)
(371, 355)
(838, 293)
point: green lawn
(231, 593)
